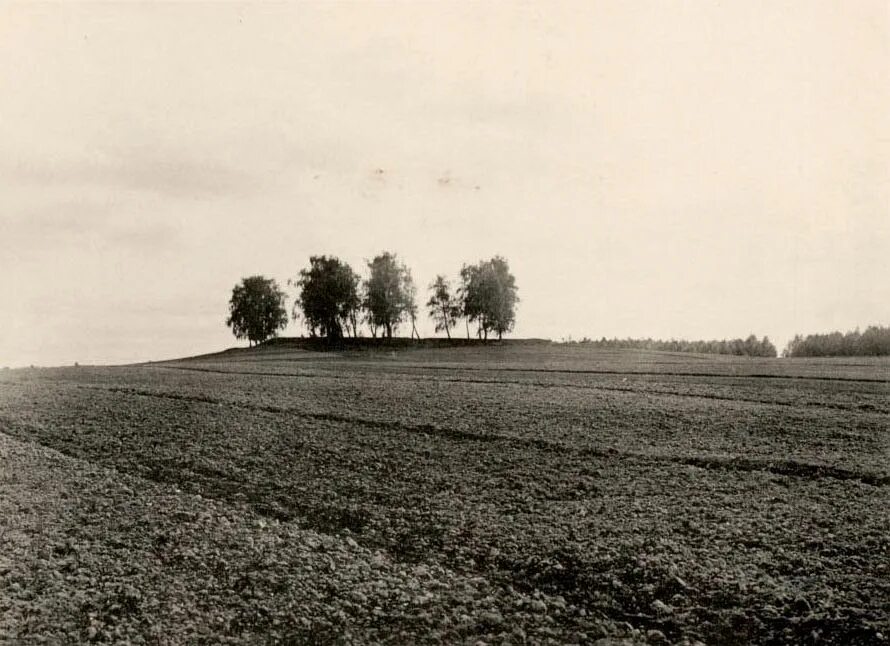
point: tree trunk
(446, 322)
(467, 321)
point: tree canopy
(256, 309)
(328, 297)
(389, 294)
(443, 306)
(489, 296)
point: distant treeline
(750, 347)
(875, 341)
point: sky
(669, 169)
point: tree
(353, 303)
(410, 295)
(389, 294)
(467, 296)
(489, 296)
(256, 309)
(502, 314)
(328, 297)
(443, 308)
(767, 349)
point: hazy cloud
(88, 226)
(137, 170)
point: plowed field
(507, 494)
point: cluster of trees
(335, 302)
(875, 341)
(750, 347)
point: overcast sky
(665, 169)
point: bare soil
(509, 494)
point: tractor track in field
(792, 468)
(568, 371)
(862, 408)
